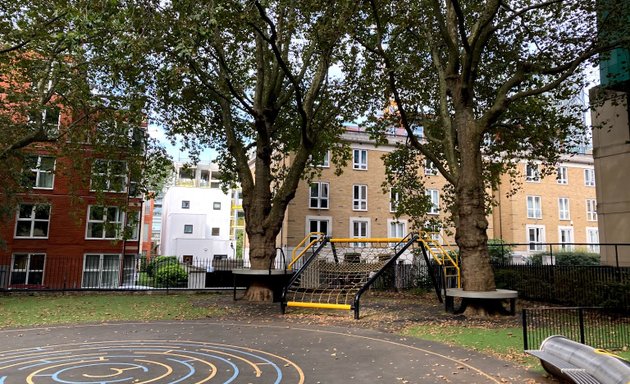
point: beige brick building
(554, 209)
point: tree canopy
(488, 83)
(63, 87)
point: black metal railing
(594, 326)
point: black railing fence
(562, 278)
(594, 326)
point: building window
(104, 222)
(41, 172)
(320, 224)
(215, 231)
(27, 268)
(394, 198)
(434, 195)
(359, 197)
(187, 259)
(185, 204)
(133, 225)
(324, 161)
(591, 210)
(562, 176)
(534, 210)
(429, 168)
(204, 179)
(359, 228)
(592, 239)
(563, 209)
(589, 177)
(565, 238)
(531, 173)
(216, 205)
(49, 120)
(359, 159)
(187, 173)
(535, 237)
(318, 196)
(33, 221)
(109, 176)
(215, 179)
(397, 228)
(101, 271)
(188, 228)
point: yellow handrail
(367, 240)
(295, 258)
(428, 241)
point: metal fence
(594, 326)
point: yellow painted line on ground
(29, 379)
(169, 370)
(318, 305)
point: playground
(238, 352)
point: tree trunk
(262, 253)
(471, 236)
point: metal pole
(524, 317)
(581, 319)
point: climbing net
(341, 268)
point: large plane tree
(253, 80)
(485, 82)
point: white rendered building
(196, 217)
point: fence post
(551, 254)
(524, 317)
(581, 320)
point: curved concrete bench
(498, 294)
(581, 364)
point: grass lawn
(505, 343)
(21, 311)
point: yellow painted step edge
(317, 305)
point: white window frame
(360, 159)
(562, 175)
(532, 174)
(589, 177)
(394, 198)
(325, 161)
(102, 271)
(568, 244)
(396, 228)
(534, 207)
(368, 229)
(117, 223)
(28, 270)
(434, 195)
(537, 245)
(359, 197)
(429, 168)
(564, 210)
(321, 197)
(107, 176)
(133, 224)
(592, 239)
(318, 219)
(32, 219)
(591, 209)
(38, 171)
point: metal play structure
(333, 273)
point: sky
(178, 155)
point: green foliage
(500, 251)
(155, 264)
(170, 275)
(563, 258)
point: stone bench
(466, 296)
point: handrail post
(581, 320)
(524, 318)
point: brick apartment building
(560, 208)
(77, 223)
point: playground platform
(213, 352)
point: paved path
(239, 353)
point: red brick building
(76, 225)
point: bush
(500, 252)
(170, 275)
(566, 258)
(158, 262)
